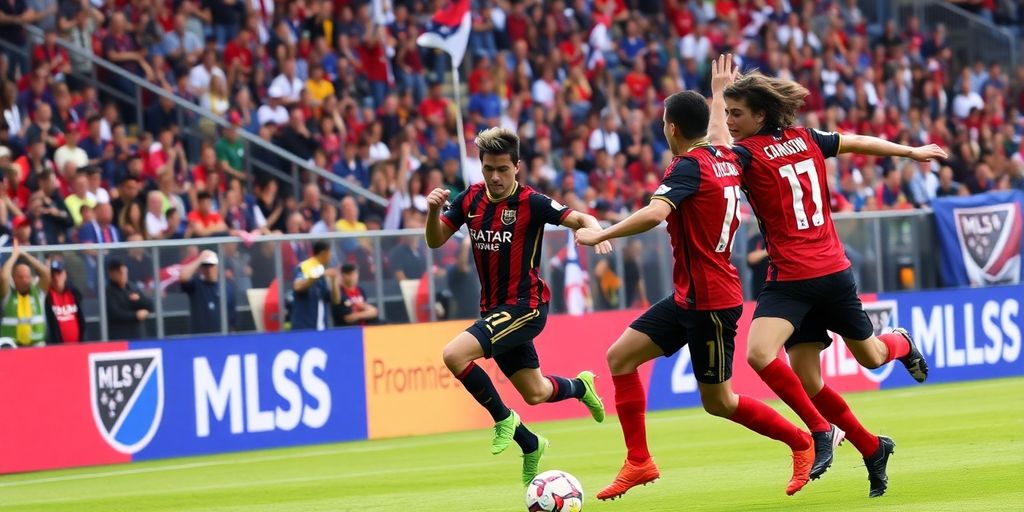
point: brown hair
(777, 98)
(498, 141)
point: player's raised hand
(604, 247)
(437, 198)
(929, 152)
(723, 73)
(590, 237)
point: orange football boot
(802, 462)
(632, 475)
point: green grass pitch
(959, 447)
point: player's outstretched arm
(437, 232)
(579, 221)
(723, 73)
(868, 145)
(640, 221)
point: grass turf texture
(959, 447)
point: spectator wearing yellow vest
(23, 302)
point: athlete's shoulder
(476, 188)
(682, 164)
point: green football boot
(531, 461)
(503, 432)
(590, 398)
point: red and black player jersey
(703, 188)
(506, 237)
(785, 181)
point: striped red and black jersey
(786, 182)
(507, 237)
(703, 187)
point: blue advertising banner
(980, 237)
(251, 392)
(966, 334)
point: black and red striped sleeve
(547, 210)
(682, 181)
(455, 215)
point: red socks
(764, 420)
(786, 385)
(832, 405)
(898, 345)
(631, 405)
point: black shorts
(506, 334)
(710, 335)
(814, 306)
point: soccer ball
(554, 491)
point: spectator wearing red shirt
(680, 15)
(640, 169)
(52, 56)
(65, 320)
(373, 63)
(205, 170)
(638, 82)
(481, 70)
(434, 109)
(163, 156)
(203, 221)
(517, 24)
(238, 55)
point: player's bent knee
(535, 398)
(758, 357)
(715, 406)
(454, 359)
(618, 360)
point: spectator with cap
(23, 300)
(312, 289)
(23, 230)
(199, 280)
(65, 320)
(127, 307)
(349, 306)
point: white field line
(381, 445)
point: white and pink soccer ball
(554, 491)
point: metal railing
(889, 251)
(142, 86)
(970, 36)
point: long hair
(498, 141)
(778, 99)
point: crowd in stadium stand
(344, 85)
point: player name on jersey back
(725, 169)
(785, 148)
